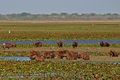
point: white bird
(9, 31)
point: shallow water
(35, 75)
(117, 41)
(28, 59)
(16, 58)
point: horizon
(67, 6)
(59, 13)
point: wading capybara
(7, 45)
(38, 44)
(13, 44)
(104, 44)
(74, 44)
(113, 53)
(60, 44)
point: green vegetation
(99, 66)
(61, 70)
(59, 31)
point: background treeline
(61, 16)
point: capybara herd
(60, 44)
(69, 55)
(61, 54)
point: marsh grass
(59, 31)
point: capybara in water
(48, 54)
(85, 56)
(7, 45)
(13, 44)
(74, 44)
(113, 53)
(38, 44)
(104, 44)
(60, 44)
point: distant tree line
(61, 16)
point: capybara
(85, 56)
(74, 44)
(7, 45)
(60, 44)
(34, 53)
(61, 54)
(38, 58)
(48, 54)
(72, 55)
(13, 44)
(113, 53)
(104, 44)
(38, 44)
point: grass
(59, 30)
(68, 70)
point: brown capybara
(106, 44)
(113, 53)
(102, 44)
(7, 45)
(13, 44)
(38, 44)
(61, 54)
(73, 55)
(38, 58)
(60, 44)
(34, 53)
(74, 44)
(48, 54)
(85, 56)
